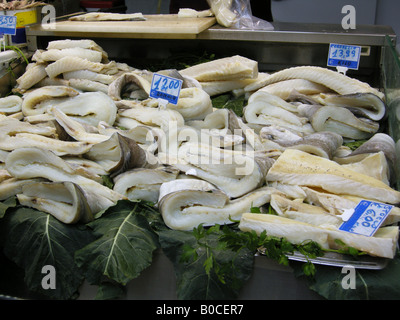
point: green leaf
(227, 101)
(6, 204)
(213, 272)
(369, 284)
(124, 245)
(34, 239)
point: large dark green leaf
(34, 239)
(123, 247)
(369, 284)
(200, 278)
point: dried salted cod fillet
(65, 201)
(382, 244)
(44, 56)
(193, 104)
(39, 100)
(29, 163)
(108, 16)
(144, 183)
(71, 63)
(33, 74)
(18, 134)
(89, 75)
(186, 203)
(81, 43)
(300, 168)
(234, 172)
(339, 120)
(336, 204)
(10, 104)
(283, 89)
(154, 117)
(231, 68)
(300, 211)
(363, 104)
(333, 80)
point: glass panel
(391, 85)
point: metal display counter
(287, 45)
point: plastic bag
(237, 14)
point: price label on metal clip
(165, 88)
(366, 218)
(8, 25)
(345, 56)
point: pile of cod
(77, 116)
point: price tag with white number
(366, 218)
(165, 88)
(8, 25)
(346, 56)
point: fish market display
(77, 117)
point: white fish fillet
(283, 89)
(81, 43)
(106, 16)
(300, 168)
(193, 104)
(333, 80)
(231, 68)
(31, 76)
(71, 63)
(89, 75)
(382, 244)
(56, 54)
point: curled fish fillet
(143, 183)
(130, 81)
(56, 54)
(193, 104)
(283, 89)
(382, 244)
(75, 129)
(235, 173)
(339, 120)
(90, 108)
(154, 117)
(10, 104)
(39, 100)
(72, 63)
(89, 75)
(304, 212)
(300, 168)
(31, 76)
(362, 104)
(230, 68)
(63, 200)
(28, 163)
(88, 85)
(333, 80)
(262, 113)
(187, 203)
(81, 43)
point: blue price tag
(341, 55)
(165, 88)
(367, 218)
(8, 25)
